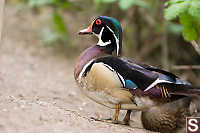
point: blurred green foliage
(64, 4)
(58, 31)
(124, 4)
(188, 12)
(153, 30)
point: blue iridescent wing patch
(130, 84)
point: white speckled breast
(103, 86)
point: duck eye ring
(98, 21)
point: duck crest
(86, 57)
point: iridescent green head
(109, 32)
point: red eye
(98, 21)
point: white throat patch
(101, 43)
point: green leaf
(38, 3)
(189, 27)
(65, 5)
(194, 9)
(142, 3)
(176, 9)
(108, 1)
(126, 4)
(197, 26)
(173, 2)
(190, 34)
(97, 3)
(58, 23)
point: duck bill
(85, 31)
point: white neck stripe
(117, 40)
(83, 70)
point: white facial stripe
(155, 83)
(83, 70)
(117, 40)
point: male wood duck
(121, 83)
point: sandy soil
(37, 89)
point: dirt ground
(37, 89)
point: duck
(171, 117)
(122, 83)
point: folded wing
(134, 75)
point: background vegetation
(158, 32)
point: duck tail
(186, 90)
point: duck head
(109, 32)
